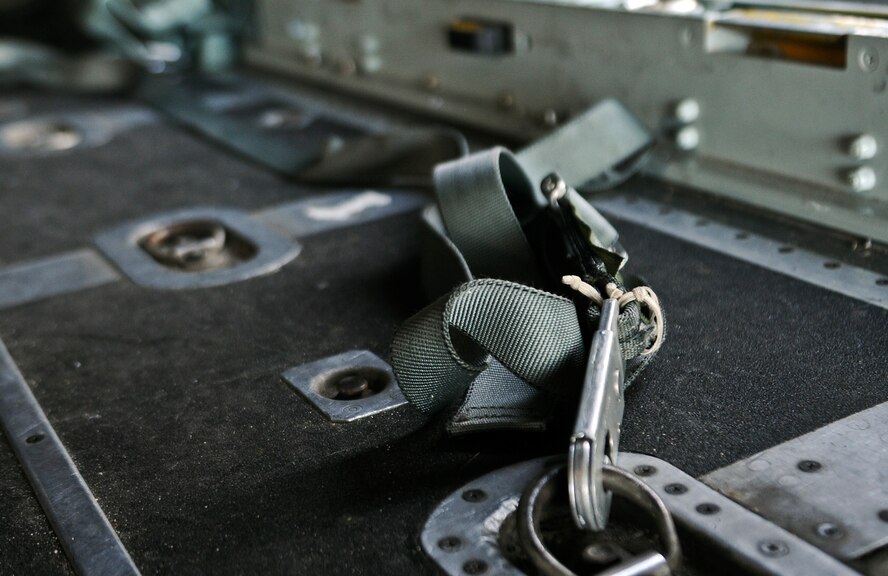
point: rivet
(773, 548)
(708, 508)
(474, 495)
(550, 117)
(687, 111)
(863, 147)
(868, 60)
(645, 470)
(829, 530)
(506, 100)
(475, 566)
(450, 544)
(687, 138)
(430, 82)
(346, 67)
(675, 489)
(809, 466)
(862, 179)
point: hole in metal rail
(35, 438)
(786, 249)
(474, 495)
(832, 264)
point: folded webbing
(533, 334)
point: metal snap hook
(596, 437)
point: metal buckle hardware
(597, 432)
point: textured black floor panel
(752, 358)
(27, 543)
(54, 202)
(206, 462)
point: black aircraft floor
(172, 406)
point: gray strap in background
(328, 154)
(600, 143)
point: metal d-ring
(619, 482)
(185, 242)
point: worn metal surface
(828, 487)
(798, 263)
(87, 537)
(461, 529)
(542, 493)
(121, 245)
(47, 277)
(465, 526)
(769, 130)
(336, 210)
(312, 378)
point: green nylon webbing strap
(483, 198)
(491, 346)
(455, 334)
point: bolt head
(863, 147)
(550, 117)
(687, 111)
(687, 139)
(862, 179)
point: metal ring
(620, 483)
(186, 242)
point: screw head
(675, 489)
(645, 470)
(550, 117)
(773, 548)
(809, 466)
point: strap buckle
(596, 436)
